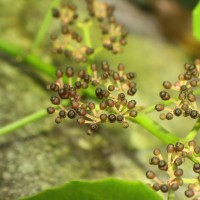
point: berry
(156, 187)
(81, 120)
(150, 174)
(110, 102)
(131, 91)
(93, 127)
(125, 124)
(112, 118)
(177, 112)
(191, 97)
(105, 66)
(62, 114)
(55, 12)
(169, 116)
(162, 165)
(130, 75)
(103, 105)
(116, 76)
(164, 95)
(163, 116)
(71, 114)
(55, 100)
(189, 193)
(58, 120)
(178, 172)
(69, 71)
(194, 114)
(50, 110)
(103, 117)
(133, 113)
(91, 106)
(174, 186)
(54, 87)
(164, 188)
(111, 88)
(159, 107)
(93, 67)
(154, 161)
(179, 146)
(192, 143)
(196, 167)
(156, 152)
(78, 84)
(121, 67)
(178, 162)
(121, 96)
(131, 104)
(170, 148)
(167, 84)
(197, 150)
(120, 118)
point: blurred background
(42, 154)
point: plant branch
(192, 134)
(190, 180)
(170, 195)
(30, 59)
(22, 122)
(154, 128)
(86, 27)
(44, 26)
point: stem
(192, 134)
(26, 120)
(44, 26)
(30, 59)
(190, 180)
(86, 28)
(86, 32)
(22, 122)
(170, 195)
(154, 128)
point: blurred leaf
(108, 189)
(196, 21)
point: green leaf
(196, 21)
(108, 189)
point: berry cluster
(186, 105)
(114, 36)
(113, 33)
(176, 156)
(113, 90)
(71, 40)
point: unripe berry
(150, 174)
(71, 114)
(164, 188)
(159, 107)
(50, 110)
(112, 118)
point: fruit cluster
(71, 41)
(176, 157)
(186, 102)
(113, 91)
(113, 33)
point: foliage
(109, 189)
